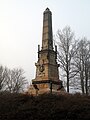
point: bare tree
(15, 80)
(81, 62)
(65, 52)
(2, 78)
(87, 65)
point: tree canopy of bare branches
(13, 80)
(81, 61)
(2, 77)
(74, 58)
(64, 41)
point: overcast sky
(21, 28)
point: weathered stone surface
(46, 66)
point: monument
(47, 74)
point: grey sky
(21, 28)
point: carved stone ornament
(41, 68)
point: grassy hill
(44, 107)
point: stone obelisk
(47, 74)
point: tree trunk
(86, 80)
(82, 82)
(67, 72)
(67, 81)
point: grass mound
(44, 107)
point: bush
(44, 107)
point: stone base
(33, 91)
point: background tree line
(74, 59)
(13, 80)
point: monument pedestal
(45, 86)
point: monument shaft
(47, 75)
